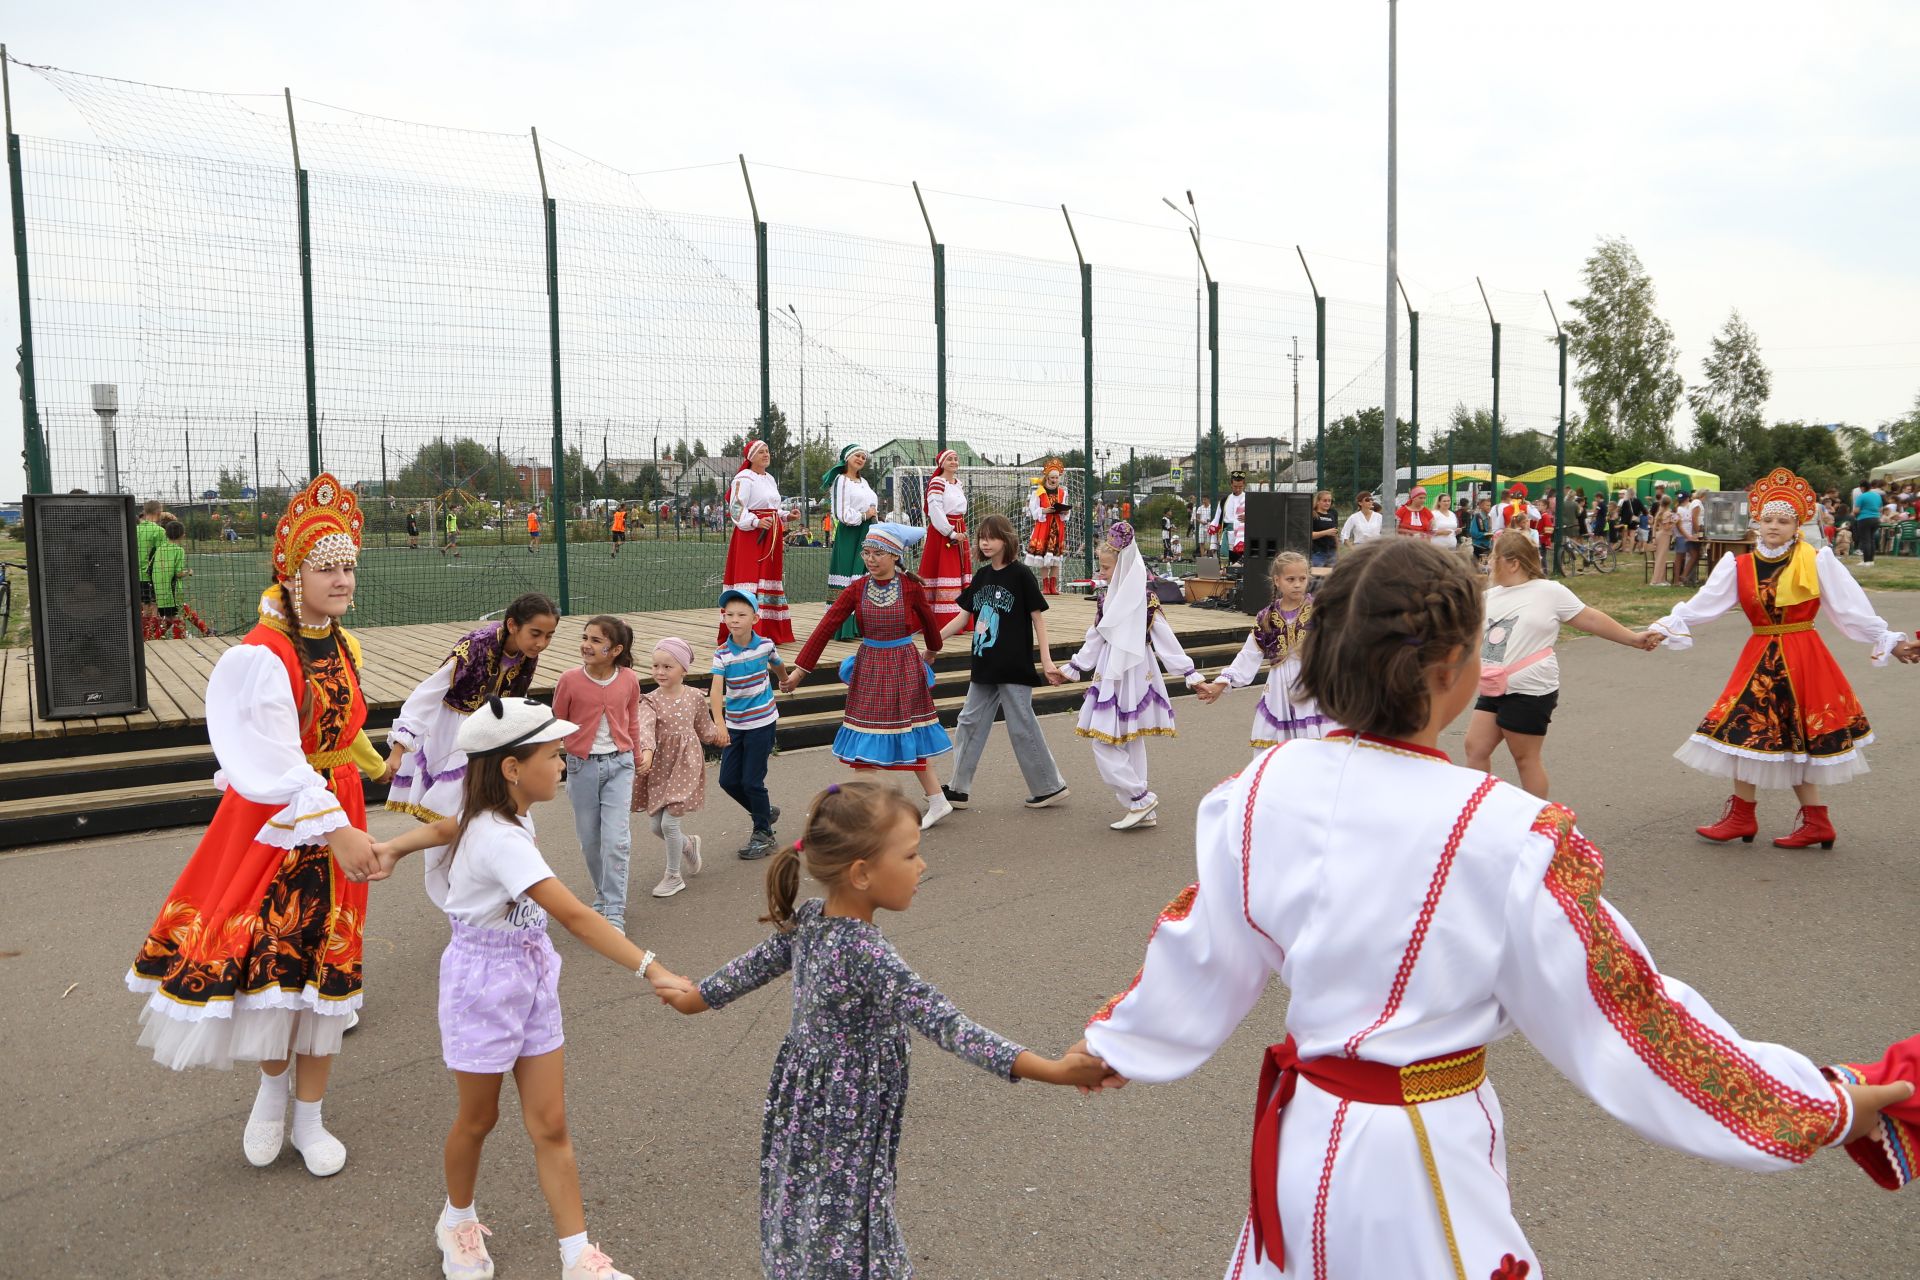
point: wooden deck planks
(397, 659)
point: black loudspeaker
(88, 655)
(1276, 522)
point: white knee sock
(306, 1123)
(270, 1103)
(571, 1247)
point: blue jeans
(601, 789)
(743, 772)
(1319, 559)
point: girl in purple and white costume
(500, 975)
(1284, 713)
(1127, 645)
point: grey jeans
(601, 789)
(1015, 703)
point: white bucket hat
(504, 723)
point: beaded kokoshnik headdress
(319, 530)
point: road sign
(1177, 475)
(1113, 477)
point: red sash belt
(1355, 1080)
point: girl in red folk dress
(1788, 717)
(256, 953)
(890, 721)
(756, 557)
(1047, 508)
(945, 561)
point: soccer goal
(903, 499)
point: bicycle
(1594, 554)
(6, 599)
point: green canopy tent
(1585, 480)
(1642, 478)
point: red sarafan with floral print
(1512, 1268)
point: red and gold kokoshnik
(324, 512)
(1782, 485)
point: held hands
(725, 739)
(385, 860)
(1209, 692)
(1107, 1078)
(1056, 676)
(681, 994)
(352, 848)
(646, 762)
(1907, 651)
(1869, 1100)
(1647, 641)
(791, 681)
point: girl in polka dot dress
(839, 1088)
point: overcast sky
(1758, 156)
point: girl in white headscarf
(1127, 645)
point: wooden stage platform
(395, 659)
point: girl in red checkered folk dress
(890, 722)
(1418, 911)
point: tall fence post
(39, 471)
(558, 489)
(306, 293)
(1218, 449)
(1493, 463)
(1320, 364)
(939, 325)
(1560, 535)
(1413, 409)
(1086, 383)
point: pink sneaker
(593, 1265)
(463, 1250)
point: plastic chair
(1906, 542)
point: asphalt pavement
(113, 1167)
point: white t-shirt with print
(1523, 620)
(486, 881)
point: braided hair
(1388, 612)
(300, 653)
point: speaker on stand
(88, 655)
(1276, 522)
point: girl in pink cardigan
(602, 696)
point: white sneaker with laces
(463, 1250)
(1136, 818)
(938, 807)
(690, 863)
(593, 1265)
(669, 885)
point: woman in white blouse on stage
(756, 555)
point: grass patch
(1628, 596)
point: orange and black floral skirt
(1800, 707)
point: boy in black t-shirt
(1004, 603)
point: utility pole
(1390, 410)
(1199, 319)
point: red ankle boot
(1736, 823)
(1813, 829)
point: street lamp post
(802, 481)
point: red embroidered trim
(1179, 909)
(1246, 849)
(1379, 740)
(1434, 887)
(1320, 1198)
(1697, 1062)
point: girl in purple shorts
(499, 976)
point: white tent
(1898, 469)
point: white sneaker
(938, 807)
(325, 1156)
(593, 1265)
(1136, 818)
(669, 885)
(690, 857)
(463, 1250)
(262, 1141)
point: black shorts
(1521, 712)
(619, 536)
(146, 593)
(169, 610)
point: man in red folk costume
(1787, 718)
(1047, 508)
(757, 554)
(256, 954)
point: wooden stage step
(72, 783)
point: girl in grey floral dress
(839, 1087)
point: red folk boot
(1736, 823)
(1814, 829)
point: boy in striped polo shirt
(741, 694)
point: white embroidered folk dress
(1284, 712)
(1456, 915)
